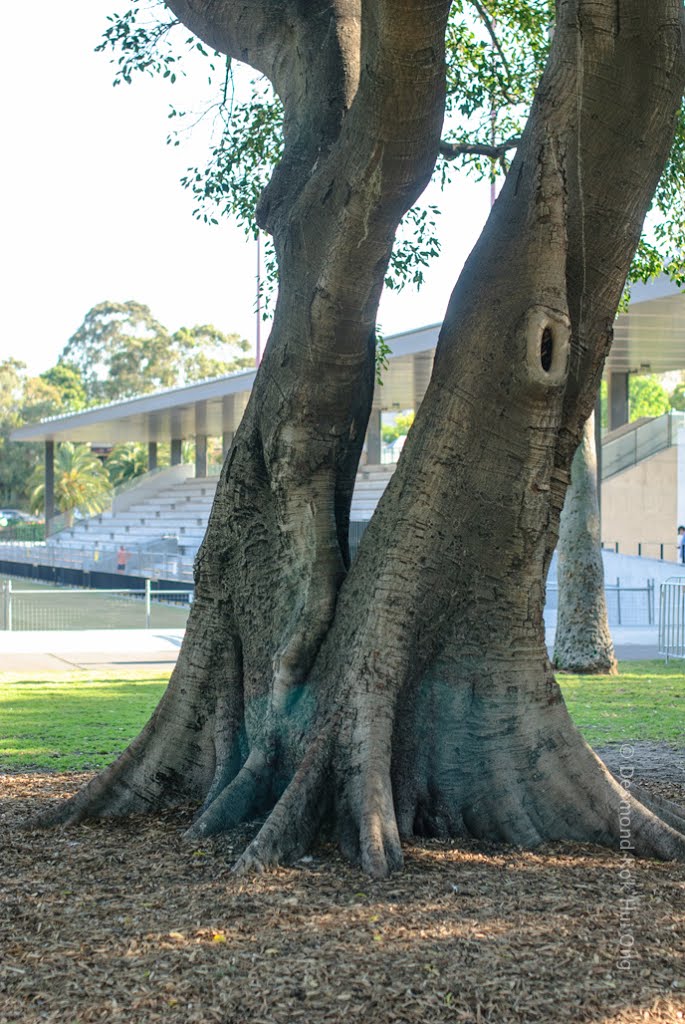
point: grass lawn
(645, 702)
(81, 720)
(74, 720)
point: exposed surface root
(134, 930)
(367, 826)
(673, 814)
(237, 802)
(504, 763)
(294, 822)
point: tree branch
(248, 31)
(490, 26)
(451, 150)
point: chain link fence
(39, 607)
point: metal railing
(661, 550)
(639, 443)
(672, 618)
(159, 558)
(626, 606)
(62, 608)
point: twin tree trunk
(410, 693)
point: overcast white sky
(93, 209)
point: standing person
(681, 543)
(122, 557)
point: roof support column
(373, 438)
(200, 455)
(151, 456)
(176, 451)
(226, 441)
(618, 402)
(49, 485)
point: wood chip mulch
(115, 922)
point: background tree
(125, 462)
(413, 692)
(81, 483)
(68, 382)
(399, 427)
(203, 351)
(121, 350)
(582, 642)
(647, 396)
(22, 399)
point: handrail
(644, 440)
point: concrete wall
(631, 571)
(640, 506)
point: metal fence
(626, 606)
(663, 551)
(157, 558)
(672, 618)
(62, 608)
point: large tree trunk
(583, 639)
(417, 696)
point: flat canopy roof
(649, 338)
(212, 407)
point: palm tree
(81, 483)
(126, 462)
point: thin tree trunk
(583, 639)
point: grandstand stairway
(174, 520)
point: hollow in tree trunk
(411, 693)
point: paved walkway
(58, 651)
(55, 651)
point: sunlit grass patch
(646, 701)
(78, 720)
(74, 720)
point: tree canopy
(495, 54)
(121, 350)
(22, 399)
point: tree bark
(363, 92)
(583, 639)
(417, 696)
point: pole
(8, 605)
(599, 453)
(49, 485)
(493, 139)
(258, 357)
(148, 603)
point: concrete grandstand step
(181, 512)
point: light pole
(259, 301)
